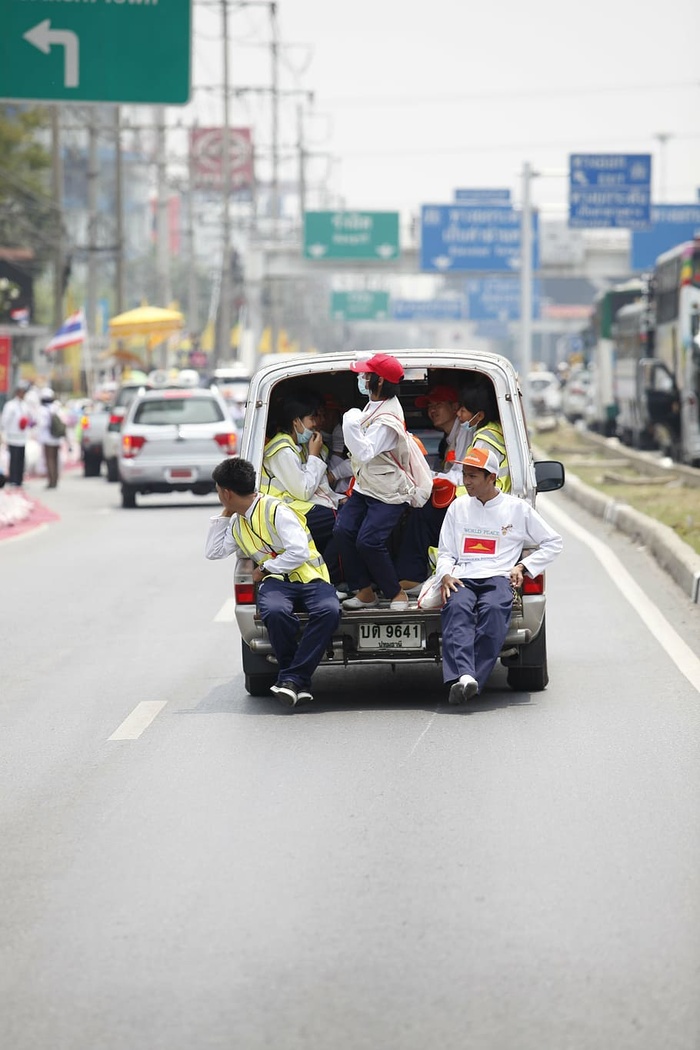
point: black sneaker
(305, 695)
(286, 693)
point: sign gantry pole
(526, 286)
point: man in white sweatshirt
(16, 421)
(481, 542)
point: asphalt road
(184, 867)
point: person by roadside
(290, 573)
(16, 422)
(479, 563)
(50, 441)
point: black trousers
(16, 464)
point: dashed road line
(140, 719)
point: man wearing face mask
(422, 529)
(376, 439)
(478, 414)
(294, 468)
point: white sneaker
(356, 603)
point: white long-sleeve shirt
(479, 540)
(220, 542)
(365, 442)
(14, 411)
(457, 443)
(304, 480)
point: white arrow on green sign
(351, 235)
(123, 51)
(359, 306)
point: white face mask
(362, 384)
(305, 436)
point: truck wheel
(530, 674)
(92, 465)
(259, 684)
(128, 497)
(112, 469)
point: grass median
(666, 499)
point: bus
(676, 289)
(599, 338)
(645, 392)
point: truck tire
(259, 673)
(92, 464)
(530, 674)
(112, 469)
(259, 684)
(128, 497)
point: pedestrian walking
(16, 422)
(51, 431)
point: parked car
(378, 635)
(545, 393)
(576, 395)
(92, 427)
(171, 440)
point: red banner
(5, 360)
(206, 147)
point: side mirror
(549, 474)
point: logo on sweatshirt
(478, 545)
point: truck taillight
(132, 445)
(228, 442)
(533, 585)
(244, 593)
(116, 418)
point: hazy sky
(415, 101)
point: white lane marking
(227, 612)
(682, 655)
(140, 718)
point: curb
(677, 558)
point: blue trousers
(422, 530)
(362, 529)
(475, 620)
(320, 522)
(278, 600)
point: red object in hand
(23, 423)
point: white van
(377, 635)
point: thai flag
(20, 315)
(71, 332)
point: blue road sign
(610, 189)
(671, 224)
(428, 310)
(457, 237)
(485, 196)
(498, 298)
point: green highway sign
(360, 306)
(123, 51)
(351, 235)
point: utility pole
(119, 209)
(57, 191)
(192, 305)
(662, 138)
(526, 286)
(162, 231)
(91, 283)
(275, 201)
(222, 341)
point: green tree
(28, 215)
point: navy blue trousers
(321, 522)
(422, 530)
(278, 600)
(475, 620)
(362, 529)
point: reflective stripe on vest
(261, 541)
(492, 436)
(301, 507)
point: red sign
(5, 360)
(206, 147)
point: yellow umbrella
(151, 321)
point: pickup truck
(377, 635)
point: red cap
(383, 365)
(438, 393)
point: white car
(544, 391)
(378, 635)
(172, 439)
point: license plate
(391, 636)
(182, 475)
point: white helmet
(47, 394)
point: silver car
(172, 439)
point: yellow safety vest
(259, 540)
(492, 436)
(268, 485)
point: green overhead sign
(122, 51)
(359, 306)
(351, 235)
